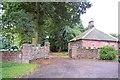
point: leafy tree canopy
(28, 20)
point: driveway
(70, 68)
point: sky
(104, 13)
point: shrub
(108, 53)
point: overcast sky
(104, 14)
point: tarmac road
(70, 68)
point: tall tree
(38, 19)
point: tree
(38, 19)
(15, 27)
(115, 35)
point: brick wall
(98, 44)
(14, 56)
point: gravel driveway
(70, 68)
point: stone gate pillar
(26, 53)
(74, 51)
(47, 48)
(69, 47)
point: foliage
(116, 57)
(108, 53)
(14, 47)
(16, 70)
(60, 21)
(115, 35)
(18, 29)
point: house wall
(98, 44)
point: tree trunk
(37, 17)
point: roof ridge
(88, 32)
(95, 34)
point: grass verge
(15, 70)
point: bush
(108, 53)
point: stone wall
(88, 53)
(77, 52)
(29, 52)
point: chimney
(91, 24)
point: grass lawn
(15, 70)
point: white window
(93, 46)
